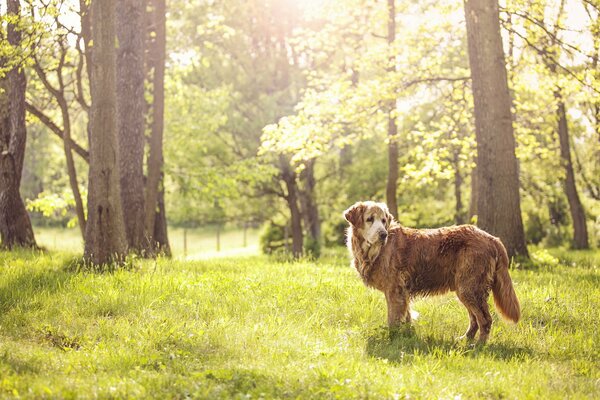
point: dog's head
(370, 220)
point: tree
(499, 207)
(130, 120)
(15, 225)
(55, 72)
(392, 180)
(155, 214)
(105, 239)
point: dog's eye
(370, 219)
(383, 220)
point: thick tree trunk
(499, 207)
(130, 119)
(155, 158)
(580, 234)
(310, 210)
(289, 177)
(15, 225)
(105, 232)
(392, 180)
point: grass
(254, 327)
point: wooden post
(184, 242)
(218, 237)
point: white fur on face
(373, 231)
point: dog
(404, 262)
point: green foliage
(56, 207)
(334, 231)
(255, 327)
(272, 238)
(312, 247)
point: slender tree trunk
(105, 231)
(392, 180)
(155, 158)
(499, 206)
(71, 170)
(85, 15)
(310, 210)
(15, 225)
(289, 177)
(161, 237)
(474, 191)
(130, 119)
(459, 216)
(580, 234)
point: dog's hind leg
(473, 327)
(479, 314)
(479, 307)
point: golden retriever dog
(404, 262)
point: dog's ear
(354, 213)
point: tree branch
(44, 119)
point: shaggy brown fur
(405, 262)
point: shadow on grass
(23, 288)
(400, 345)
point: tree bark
(580, 234)
(310, 210)
(161, 238)
(392, 180)
(459, 216)
(289, 177)
(105, 240)
(499, 207)
(85, 15)
(15, 225)
(130, 119)
(474, 191)
(58, 92)
(155, 158)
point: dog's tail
(504, 294)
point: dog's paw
(414, 314)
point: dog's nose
(382, 236)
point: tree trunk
(15, 225)
(499, 207)
(310, 210)
(130, 119)
(161, 237)
(105, 232)
(580, 234)
(473, 200)
(392, 180)
(155, 158)
(289, 177)
(459, 216)
(71, 170)
(85, 16)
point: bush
(312, 247)
(334, 232)
(272, 238)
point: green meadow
(248, 326)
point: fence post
(184, 242)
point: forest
(173, 178)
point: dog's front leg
(397, 302)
